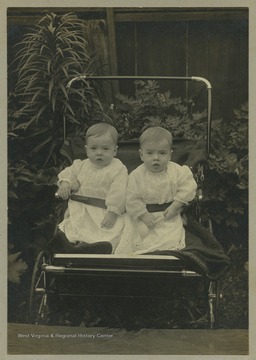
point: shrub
(150, 107)
(226, 183)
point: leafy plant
(151, 107)
(226, 183)
(16, 267)
(42, 111)
(50, 55)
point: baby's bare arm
(148, 219)
(109, 220)
(173, 210)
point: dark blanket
(203, 253)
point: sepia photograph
(128, 165)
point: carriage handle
(182, 78)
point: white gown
(83, 222)
(144, 187)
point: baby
(157, 191)
(102, 179)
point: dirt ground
(41, 339)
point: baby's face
(156, 155)
(101, 150)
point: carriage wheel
(214, 297)
(38, 297)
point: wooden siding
(206, 42)
(215, 50)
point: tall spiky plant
(49, 56)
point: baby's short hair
(155, 133)
(100, 129)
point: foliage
(149, 107)
(226, 183)
(41, 107)
(16, 267)
(50, 55)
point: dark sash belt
(101, 203)
(157, 207)
(89, 200)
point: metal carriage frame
(52, 274)
(51, 271)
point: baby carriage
(200, 264)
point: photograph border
(3, 146)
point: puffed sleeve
(135, 206)
(69, 174)
(115, 199)
(186, 185)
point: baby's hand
(109, 220)
(173, 210)
(64, 190)
(170, 213)
(148, 219)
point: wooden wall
(214, 49)
(206, 42)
